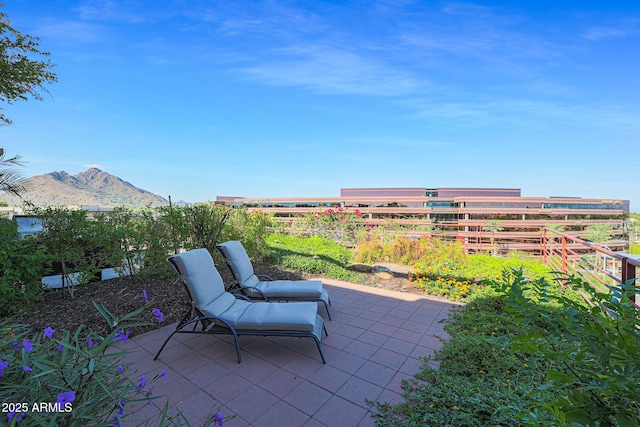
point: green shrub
(78, 378)
(251, 228)
(140, 242)
(402, 250)
(595, 349)
(456, 278)
(315, 255)
(527, 351)
(22, 270)
(73, 240)
(338, 224)
(480, 381)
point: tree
(599, 233)
(20, 76)
(11, 181)
(492, 226)
(554, 227)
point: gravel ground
(123, 295)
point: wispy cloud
(527, 112)
(414, 52)
(624, 28)
(109, 10)
(332, 70)
(72, 32)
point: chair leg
(327, 308)
(165, 343)
(237, 341)
(320, 349)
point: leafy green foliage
(86, 375)
(140, 242)
(72, 239)
(443, 268)
(479, 381)
(338, 224)
(595, 378)
(20, 75)
(316, 255)
(11, 181)
(529, 352)
(22, 270)
(403, 250)
(251, 228)
(599, 234)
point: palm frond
(11, 180)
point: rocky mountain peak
(91, 187)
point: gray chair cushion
(239, 262)
(200, 276)
(264, 316)
(305, 289)
(207, 291)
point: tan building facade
(469, 215)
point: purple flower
(3, 365)
(122, 336)
(121, 410)
(156, 312)
(163, 373)
(27, 368)
(60, 347)
(143, 383)
(120, 368)
(90, 343)
(48, 332)
(27, 345)
(66, 397)
(11, 414)
(144, 296)
(218, 419)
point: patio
(376, 340)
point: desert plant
(73, 240)
(493, 226)
(251, 228)
(343, 226)
(474, 379)
(121, 230)
(76, 379)
(403, 250)
(314, 255)
(595, 349)
(205, 223)
(11, 180)
(599, 234)
(22, 269)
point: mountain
(91, 187)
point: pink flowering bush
(343, 226)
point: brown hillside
(91, 187)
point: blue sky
(195, 99)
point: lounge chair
(220, 312)
(269, 289)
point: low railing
(597, 265)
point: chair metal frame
(244, 289)
(211, 326)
